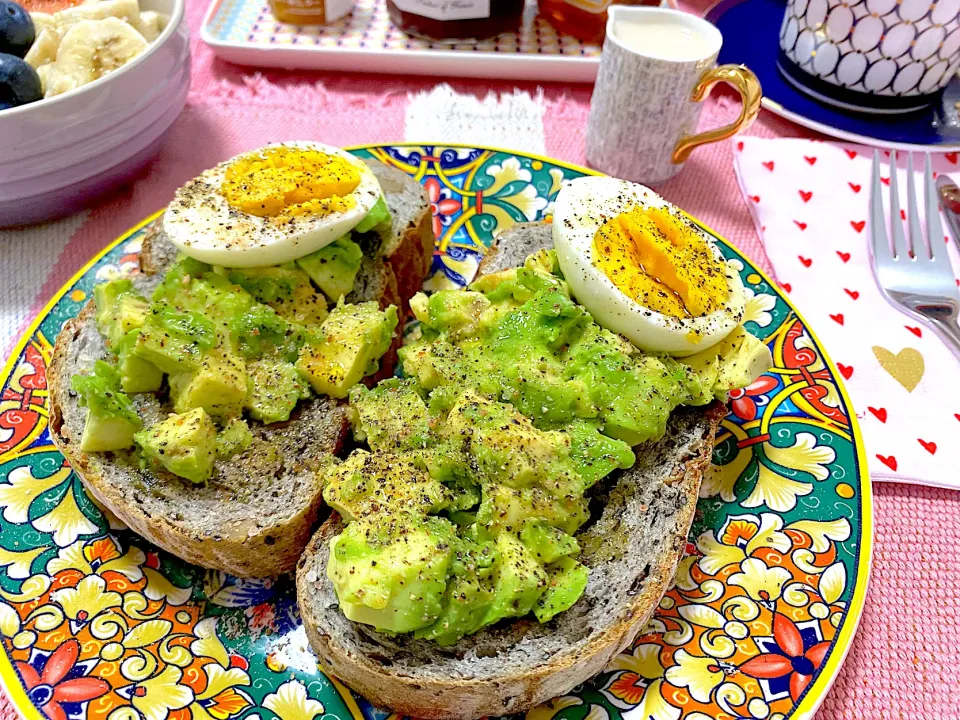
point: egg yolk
(661, 262)
(287, 182)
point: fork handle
(949, 332)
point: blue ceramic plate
(751, 35)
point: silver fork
(915, 276)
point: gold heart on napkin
(906, 366)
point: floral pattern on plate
(96, 624)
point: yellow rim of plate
(812, 697)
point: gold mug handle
(744, 82)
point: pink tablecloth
(904, 662)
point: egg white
(203, 225)
(581, 208)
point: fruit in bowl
(19, 83)
(70, 47)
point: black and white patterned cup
(874, 56)
(657, 67)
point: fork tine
(938, 251)
(917, 243)
(900, 247)
(879, 242)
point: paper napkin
(809, 200)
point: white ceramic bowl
(58, 155)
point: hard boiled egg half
(643, 269)
(271, 205)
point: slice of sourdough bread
(255, 516)
(636, 536)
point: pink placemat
(904, 660)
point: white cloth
(809, 200)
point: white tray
(245, 32)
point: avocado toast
(639, 517)
(256, 513)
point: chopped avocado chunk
(218, 384)
(547, 542)
(566, 581)
(735, 362)
(273, 388)
(351, 341)
(261, 331)
(119, 310)
(392, 575)
(371, 483)
(234, 438)
(112, 419)
(136, 374)
(391, 416)
(174, 341)
(469, 593)
(183, 444)
(334, 268)
(268, 284)
(518, 580)
(378, 215)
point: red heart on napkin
(811, 160)
(852, 293)
(851, 154)
(788, 287)
(755, 198)
(858, 226)
(952, 157)
(838, 318)
(807, 262)
(885, 181)
(854, 187)
(740, 145)
(845, 370)
(890, 462)
(843, 256)
(879, 413)
(914, 330)
(930, 447)
(801, 225)
(806, 195)
(769, 165)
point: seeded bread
(255, 516)
(632, 544)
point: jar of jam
(310, 12)
(456, 19)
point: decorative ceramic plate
(245, 32)
(96, 624)
(751, 35)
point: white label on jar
(446, 9)
(336, 9)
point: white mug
(657, 66)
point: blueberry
(19, 83)
(16, 29)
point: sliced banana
(44, 48)
(91, 49)
(44, 72)
(42, 20)
(151, 24)
(127, 10)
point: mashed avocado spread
(219, 345)
(513, 404)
